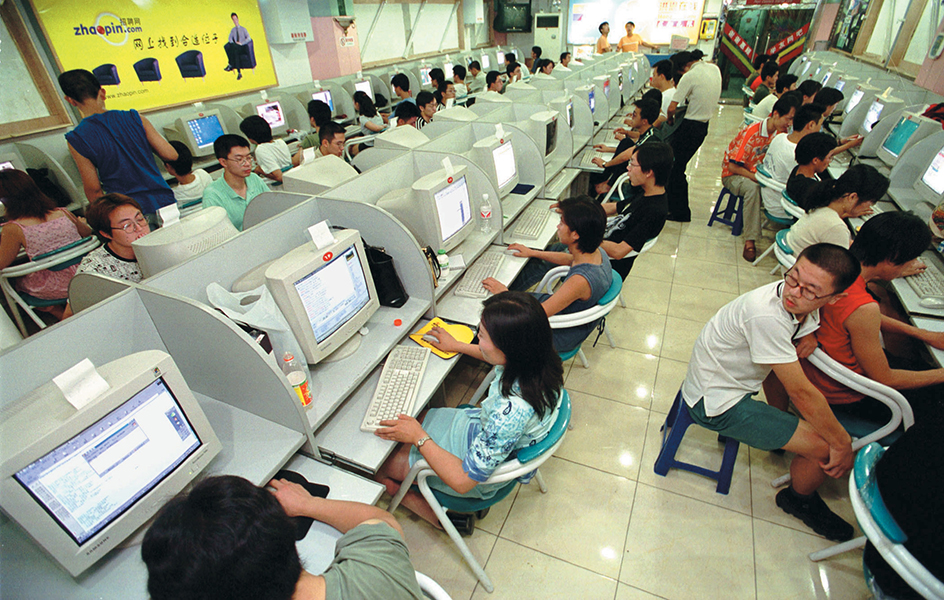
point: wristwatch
(421, 441)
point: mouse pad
(302, 524)
(460, 332)
(522, 189)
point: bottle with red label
(485, 212)
(297, 375)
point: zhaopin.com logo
(109, 28)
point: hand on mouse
(446, 343)
(295, 499)
(520, 250)
(404, 429)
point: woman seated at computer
(36, 225)
(827, 204)
(464, 446)
(581, 229)
(368, 118)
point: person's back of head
(654, 95)
(184, 163)
(656, 157)
(517, 324)
(536, 51)
(697, 55)
(22, 197)
(828, 96)
(79, 85)
(256, 129)
(893, 236)
(406, 111)
(227, 142)
(319, 112)
(226, 539)
(809, 88)
(98, 214)
(815, 145)
(769, 69)
(862, 180)
(587, 219)
(649, 107)
(458, 71)
(760, 60)
(476, 65)
(539, 64)
(835, 260)
(785, 104)
(510, 57)
(438, 76)
(400, 80)
(365, 104)
(491, 78)
(784, 82)
(665, 68)
(806, 114)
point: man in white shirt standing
(663, 80)
(780, 159)
(700, 87)
(766, 331)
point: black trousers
(232, 54)
(685, 142)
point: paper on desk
(321, 235)
(456, 262)
(460, 332)
(81, 384)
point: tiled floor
(609, 527)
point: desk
(936, 325)
(548, 232)
(464, 310)
(909, 299)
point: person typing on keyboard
(581, 228)
(464, 446)
(851, 329)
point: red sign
(756, 2)
(796, 36)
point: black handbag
(390, 291)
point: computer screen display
(205, 130)
(899, 136)
(840, 84)
(500, 57)
(620, 80)
(364, 86)
(592, 100)
(272, 113)
(424, 76)
(453, 207)
(606, 88)
(324, 96)
(816, 73)
(872, 117)
(806, 68)
(485, 63)
(6, 165)
(93, 478)
(825, 77)
(934, 176)
(447, 69)
(570, 113)
(505, 168)
(550, 138)
(333, 293)
(854, 100)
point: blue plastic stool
(731, 213)
(673, 430)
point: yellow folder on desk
(460, 332)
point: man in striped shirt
(739, 168)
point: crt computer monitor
(317, 176)
(364, 86)
(424, 76)
(81, 482)
(542, 128)
(931, 186)
(198, 131)
(854, 100)
(324, 96)
(500, 57)
(192, 235)
(437, 209)
(274, 115)
(592, 100)
(841, 83)
(11, 160)
(896, 140)
(326, 294)
(872, 116)
(496, 156)
(447, 70)
(400, 138)
(485, 63)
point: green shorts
(750, 421)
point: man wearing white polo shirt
(700, 86)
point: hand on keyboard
(405, 429)
(914, 267)
(493, 285)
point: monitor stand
(345, 350)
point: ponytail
(860, 179)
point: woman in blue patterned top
(464, 446)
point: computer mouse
(933, 302)
(302, 524)
(510, 252)
(432, 339)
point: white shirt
(273, 156)
(738, 347)
(184, 192)
(562, 67)
(765, 106)
(461, 90)
(477, 83)
(823, 225)
(667, 96)
(701, 87)
(779, 162)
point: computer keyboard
(875, 211)
(351, 130)
(589, 155)
(396, 391)
(928, 283)
(531, 222)
(486, 266)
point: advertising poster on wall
(151, 54)
(656, 22)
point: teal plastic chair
(790, 205)
(524, 462)
(590, 315)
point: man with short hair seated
(813, 154)
(230, 539)
(407, 113)
(238, 185)
(739, 167)
(493, 84)
(768, 76)
(780, 159)
(786, 83)
(331, 140)
(852, 329)
(476, 77)
(401, 87)
(319, 113)
(766, 331)
(190, 182)
(426, 102)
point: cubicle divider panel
(88, 289)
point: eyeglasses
(241, 160)
(790, 279)
(129, 225)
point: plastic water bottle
(486, 214)
(297, 376)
